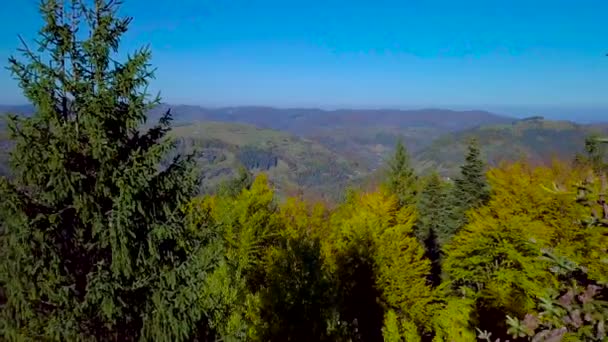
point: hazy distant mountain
(323, 151)
(305, 121)
(17, 109)
(362, 135)
(535, 139)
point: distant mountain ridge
(322, 151)
(24, 109)
(363, 135)
(534, 139)
(304, 121)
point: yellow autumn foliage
(359, 270)
(374, 228)
(497, 256)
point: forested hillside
(535, 139)
(361, 135)
(104, 235)
(332, 159)
(292, 164)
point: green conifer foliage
(233, 187)
(401, 178)
(432, 207)
(95, 246)
(470, 188)
(596, 148)
(433, 216)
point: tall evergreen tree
(432, 207)
(401, 178)
(596, 149)
(470, 188)
(95, 246)
(433, 216)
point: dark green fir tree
(470, 189)
(401, 179)
(596, 149)
(95, 244)
(433, 216)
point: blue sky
(409, 53)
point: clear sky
(361, 53)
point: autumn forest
(105, 238)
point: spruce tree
(401, 178)
(595, 146)
(94, 245)
(470, 188)
(432, 207)
(433, 216)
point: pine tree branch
(75, 68)
(28, 51)
(62, 71)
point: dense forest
(103, 237)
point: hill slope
(336, 157)
(292, 163)
(362, 135)
(535, 139)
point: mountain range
(321, 152)
(363, 136)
